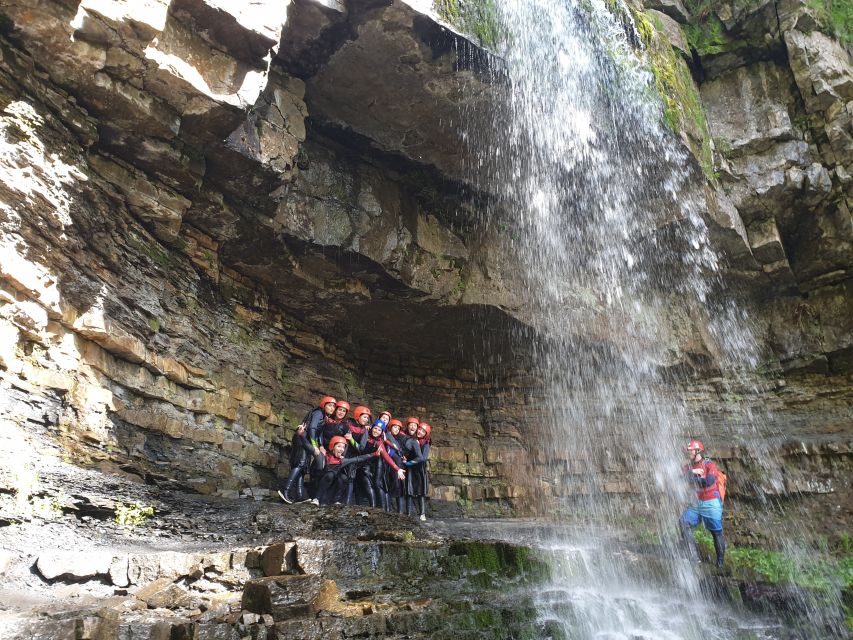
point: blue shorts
(710, 512)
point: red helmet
(695, 444)
(359, 411)
(395, 422)
(425, 427)
(335, 440)
(342, 403)
(326, 400)
(410, 420)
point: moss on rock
(682, 107)
(478, 18)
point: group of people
(354, 458)
(383, 462)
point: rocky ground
(83, 560)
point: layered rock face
(212, 215)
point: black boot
(284, 492)
(350, 493)
(410, 506)
(301, 496)
(383, 499)
(401, 505)
(689, 540)
(719, 547)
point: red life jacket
(709, 468)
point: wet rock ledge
(215, 568)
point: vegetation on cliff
(476, 17)
(837, 17)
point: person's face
(395, 429)
(692, 453)
(340, 412)
(363, 419)
(376, 431)
(329, 408)
(421, 433)
(412, 428)
(385, 415)
(340, 449)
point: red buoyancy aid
(709, 468)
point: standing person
(374, 473)
(418, 473)
(707, 481)
(359, 425)
(304, 449)
(413, 455)
(396, 490)
(338, 425)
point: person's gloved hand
(401, 475)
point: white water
(604, 214)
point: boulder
(279, 559)
(165, 594)
(73, 566)
(674, 9)
(286, 597)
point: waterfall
(602, 208)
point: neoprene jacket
(368, 445)
(412, 451)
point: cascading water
(603, 211)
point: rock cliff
(211, 215)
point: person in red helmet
(338, 471)
(339, 425)
(359, 425)
(304, 450)
(413, 456)
(418, 473)
(705, 478)
(375, 471)
(395, 486)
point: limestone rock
(672, 30)
(674, 9)
(72, 565)
(163, 593)
(286, 597)
(279, 559)
(747, 108)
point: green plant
(465, 504)
(132, 514)
(476, 17)
(836, 16)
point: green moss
(154, 324)
(478, 18)
(821, 573)
(682, 107)
(157, 254)
(836, 16)
(499, 560)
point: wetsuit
(393, 485)
(301, 456)
(411, 451)
(373, 475)
(708, 508)
(419, 477)
(337, 474)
